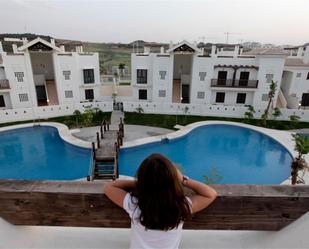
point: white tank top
(148, 239)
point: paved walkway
(131, 132)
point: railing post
(104, 124)
(98, 139)
(101, 131)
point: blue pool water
(39, 153)
(226, 153)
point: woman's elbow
(214, 195)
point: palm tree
(299, 163)
(121, 68)
(271, 95)
(249, 114)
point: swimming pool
(39, 153)
(227, 154)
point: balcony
(4, 84)
(230, 83)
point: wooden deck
(83, 204)
(105, 153)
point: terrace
(230, 83)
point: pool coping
(63, 131)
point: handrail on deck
(83, 204)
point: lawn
(109, 55)
(70, 121)
(169, 121)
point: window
(141, 76)
(162, 93)
(19, 76)
(66, 75)
(162, 75)
(269, 77)
(265, 97)
(142, 94)
(202, 76)
(88, 76)
(200, 95)
(298, 75)
(2, 103)
(89, 94)
(23, 97)
(308, 76)
(241, 98)
(68, 94)
(220, 97)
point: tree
(77, 115)
(185, 112)
(121, 68)
(276, 113)
(271, 95)
(249, 114)
(88, 116)
(299, 163)
(139, 109)
(294, 119)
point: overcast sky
(267, 21)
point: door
(2, 103)
(41, 95)
(244, 78)
(305, 99)
(222, 75)
(185, 89)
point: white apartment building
(295, 80)
(40, 73)
(222, 76)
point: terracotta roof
(295, 62)
(266, 51)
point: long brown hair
(160, 195)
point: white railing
(42, 112)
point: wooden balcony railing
(83, 204)
(234, 83)
(4, 84)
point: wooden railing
(4, 84)
(83, 204)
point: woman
(157, 204)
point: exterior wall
(293, 87)
(20, 63)
(268, 65)
(162, 64)
(41, 112)
(54, 65)
(142, 62)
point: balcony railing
(234, 83)
(4, 84)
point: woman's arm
(204, 196)
(116, 192)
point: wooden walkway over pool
(105, 152)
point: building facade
(40, 73)
(187, 74)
